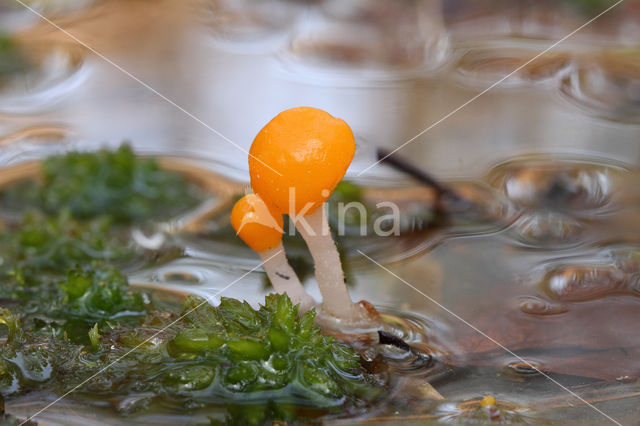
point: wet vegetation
(115, 184)
(68, 311)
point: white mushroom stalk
(314, 228)
(283, 277)
(261, 229)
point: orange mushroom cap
(310, 149)
(259, 226)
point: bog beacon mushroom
(295, 163)
(261, 229)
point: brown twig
(443, 191)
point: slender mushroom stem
(314, 228)
(283, 277)
(261, 229)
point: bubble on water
(547, 229)
(577, 283)
(525, 368)
(473, 411)
(360, 43)
(51, 72)
(578, 187)
(537, 306)
(483, 67)
(248, 26)
(607, 85)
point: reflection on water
(15, 17)
(47, 74)
(558, 184)
(483, 68)
(607, 86)
(546, 260)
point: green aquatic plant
(59, 270)
(11, 59)
(589, 7)
(264, 345)
(46, 334)
(116, 184)
(258, 365)
(41, 246)
(99, 294)
(243, 365)
(94, 294)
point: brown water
(547, 261)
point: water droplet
(48, 72)
(182, 277)
(248, 25)
(572, 186)
(360, 43)
(544, 229)
(537, 306)
(607, 86)
(481, 67)
(527, 369)
(579, 283)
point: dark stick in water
(385, 338)
(443, 191)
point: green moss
(114, 184)
(94, 337)
(589, 7)
(273, 362)
(11, 59)
(101, 294)
(270, 349)
(43, 246)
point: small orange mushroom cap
(310, 149)
(259, 226)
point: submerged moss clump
(26, 359)
(242, 365)
(116, 184)
(98, 294)
(94, 294)
(11, 59)
(266, 349)
(41, 246)
(60, 271)
(588, 7)
(46, 334)
(256, 365)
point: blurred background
(390, 68)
